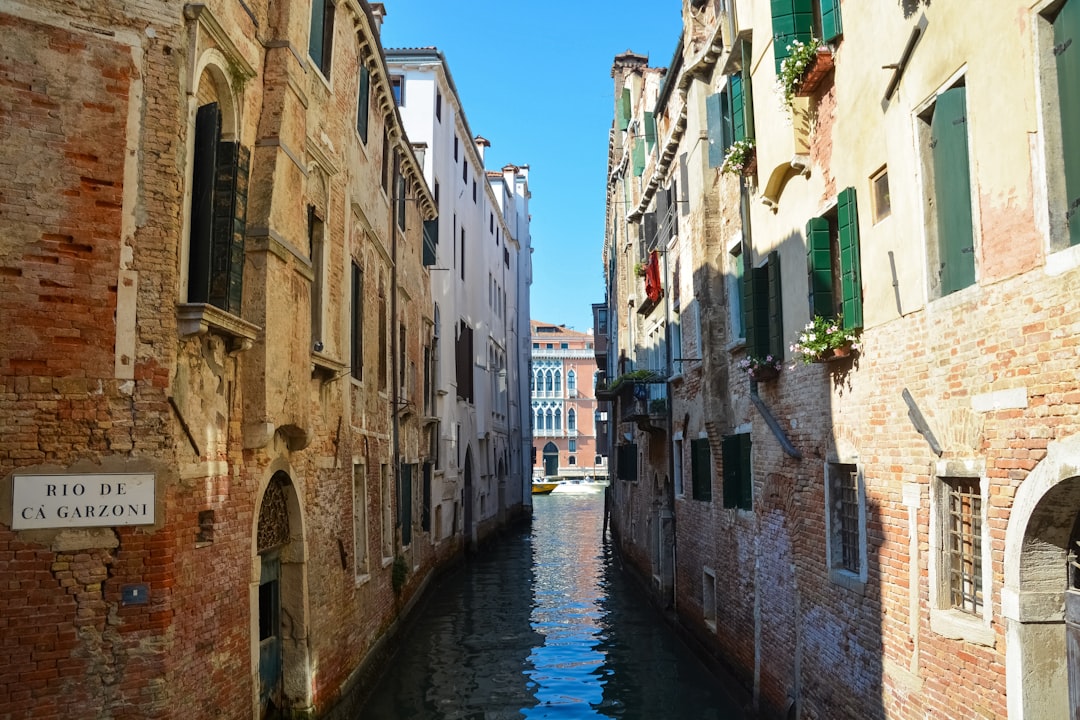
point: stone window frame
(1060, 256)
(838, 574)
(945, 619)
(708, 597)
(223, 64)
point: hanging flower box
(741, 158)
(824, 340)
(760, 369)
(820, 66)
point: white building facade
(481, 272)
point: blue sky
(535, 79)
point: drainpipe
(395, 397)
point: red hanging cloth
(652, 277)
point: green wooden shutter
(738, 107)
(650, 129)
(727, 130)
(363, 102)
(701, 468)
(623, 112)
(791, 20)
(952, 191)
(746, 478)
(230, 217)
(775, 304)
(638, 155)
(850, 270)
(714, 120)
(1067, 52)
(831, 26)
(431, 241)
(819, 267)
(747, 113)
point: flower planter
(816, 72)
(763, 373)
(834, 354)
(749, 168)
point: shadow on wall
(911, 7)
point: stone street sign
(100, 500)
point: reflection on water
(545, 626)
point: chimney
(378, 11)
(481, 143)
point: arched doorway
(1041, 597)
(551, 459)
(467, 499)
(282, 640)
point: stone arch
(468, 500)
(1035, 580)
(279, 596)
(212, 67)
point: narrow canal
(546, 626)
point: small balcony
(641, 397)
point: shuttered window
(650, 129)
(738, 481)
(1067, 57)
(832, 262)
(776, 310)
(622, 116)
(791, 20)
(763, 308)
(714, 120)
(321, 40)
(363, 102)
(831, 26)
(952, 191)
(819, 266)
(850, 267)
(701, 469)
(218, 215)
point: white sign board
(61, 501)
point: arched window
(571, 381)
(549, 382)
(532, 384)
(213, 253)
(558, 419)
(571, 419)
(558, 382)
(549, 425)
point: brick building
(891, 533)
(564, 412)
(216, 374)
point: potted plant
(741, 158)
(803, 69)
(825, 339)
(639, 269)
(760, 369)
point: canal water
(545, 626)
